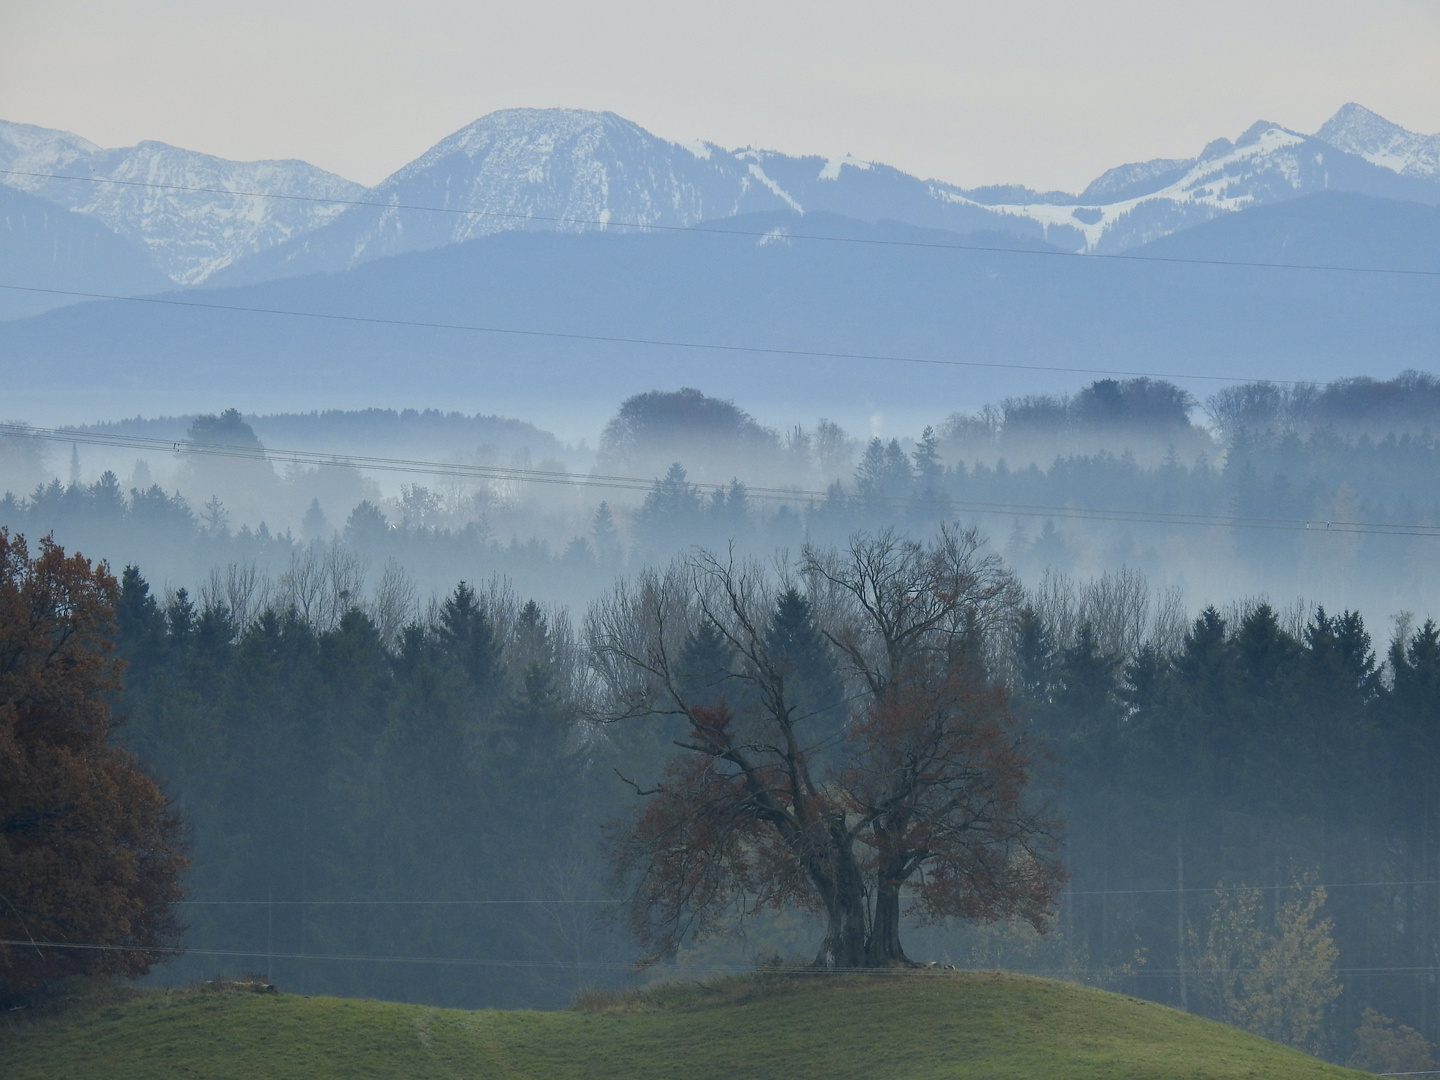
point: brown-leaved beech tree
(917, 790)
(90, 853)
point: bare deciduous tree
(926, 796)
(241, 589)
(395, 604)
(323, 583)
(1123, 613)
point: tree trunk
(884, 948)
(842, 886)
(844, 944)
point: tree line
(430, 797)
(1320, 478)
(1032, 471)
(1262, 759)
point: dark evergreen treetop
(227, 429)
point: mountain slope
(1135, 204)
(574, 171)
(46, 247)
(926, 1025)
(1357, 130)
(1331, 228)
(189, 232)
(761, 284)
(570, 170)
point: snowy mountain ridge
(572, 170)
(1357, 130)
(576, 170)
(1266, 164)
(190, 211)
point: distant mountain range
(509, 275)
(202, 219)
(559, 327)
(192, 213)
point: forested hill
(411, 432)
(561, 325)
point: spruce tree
(813, 686)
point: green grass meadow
(900, 1027)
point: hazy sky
(1043, 92)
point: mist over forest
(1300, 493)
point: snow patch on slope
(1356, 130)
(832, 168)
(775, 189)
(1221, 181)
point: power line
(1252, 888)
(350, 957)
(379, 903)
(1141, 973)
(637, 483)
(1328, 886)
(615, 339)
(655, 227)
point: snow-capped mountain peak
(25, 148)
(194, 213)
(570, 170)
(205, 219)
(1357, 130)
(575, 170)
(566, 168)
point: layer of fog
(266, 528)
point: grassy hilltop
(950, 1024)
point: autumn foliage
(883, 774)
(90, 855)
(939, 775)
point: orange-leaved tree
(90, 853)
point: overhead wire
(350, 957)
(449, 961)
(689, 345)
(617, 339)
(1327, 886)
(779, 494)
(469, 961)
(604, 223)
(1302, 886)
(380, 903)
(658, 342)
